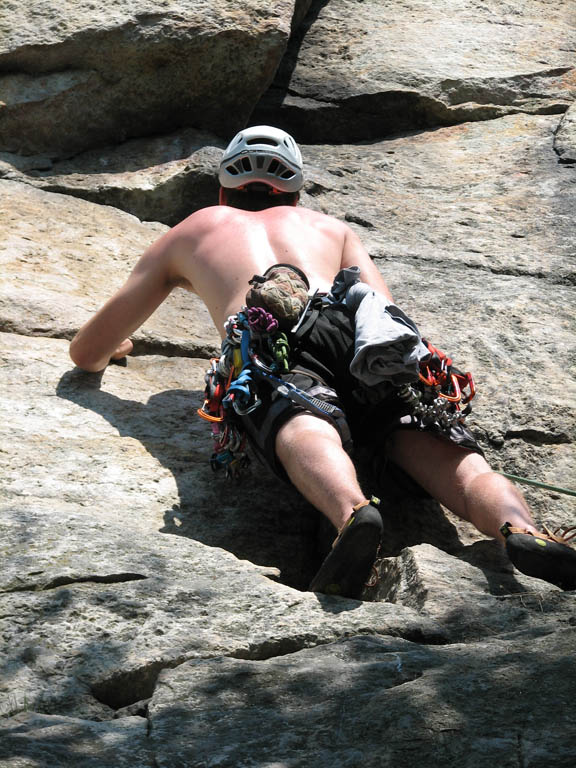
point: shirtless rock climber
(215, 253)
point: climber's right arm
(107, 334)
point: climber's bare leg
(462, 481)
(311, 452)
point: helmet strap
(223, 195)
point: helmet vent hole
(246, 164)
(231, 169)
(260, 161)
(262, 140)
(273, 167)
(288, 174)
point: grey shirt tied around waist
(388, 346)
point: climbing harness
(327, 411)
(255, 350)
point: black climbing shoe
(348, 565)
(546, 556)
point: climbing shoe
(348, 565)
(546, 556)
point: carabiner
(207, 416)
(456, 387)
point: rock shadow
(375, 701)
(261, 519)
(130, 156)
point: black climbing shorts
(322, 359)
(263, 424)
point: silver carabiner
(249, 409)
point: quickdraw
(212, 409)
(229, 443)
(440, 393)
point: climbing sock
(546, 556)
(348, 565)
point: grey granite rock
(358, 71)
(475, 595)
(93, 611)
(161, 179)
(127, 448)
(132, 68)
(489, 196)
(104, 600)
(29, 740)
(62, 257)
(565, 137)
(373, 702)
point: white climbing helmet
(262, 154)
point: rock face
(76, 76)
(163, 179)
(60, 249)
(381, 702)
(358, 70)
(153, 613)
(565, 138)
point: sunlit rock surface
(154, 613)
(76, 75)
(360, 70)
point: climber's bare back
(214, 253)
(217, 250)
